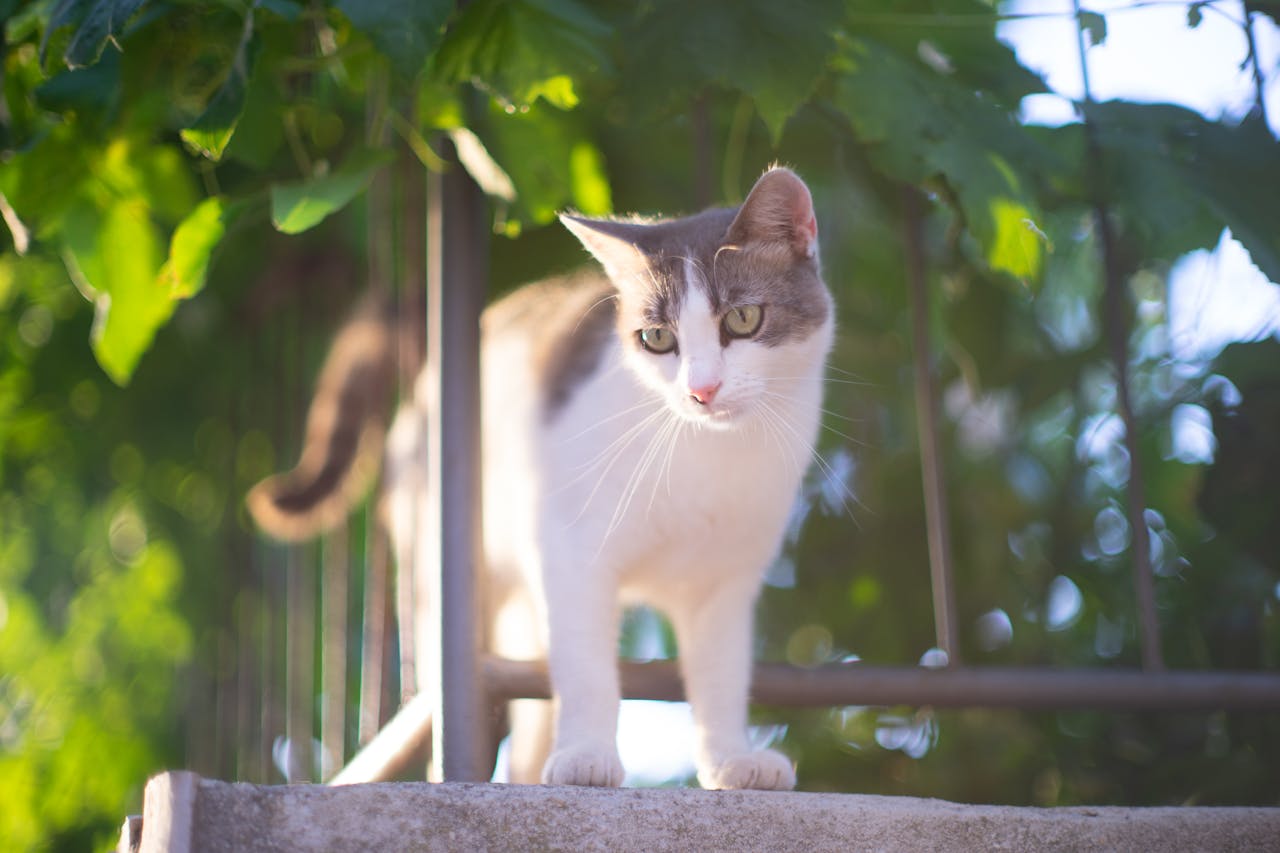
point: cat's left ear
(614, 244)
(778, 209)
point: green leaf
(974, 53)
(523, 50)
(298, 207)
(259, 132)
(41, 182)
(917, 126)
(94, 22)
(114, 256)
(407, 31)
(1237, 169)
(192, 245)
(550, 161)
(1152, 160)
(210, 133)
(589, 181)
(1195, 14)
(109, 229)
(91, 91)
(774, 52)
(1018, 243)
(439, 107)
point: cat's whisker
(828, 472)
(617, 445)
(827, 427)
(830, 379)
(770, 420)
(825, 411)
(593, 306)
(633, 482)
(681, 424)
(646, 461)
(672, 430)
(645, 403)
(622, 443)
(848, 373)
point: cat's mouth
(719, 415)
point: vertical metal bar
(373, 637)
(455, 294)
(248, 696)
(274, 690)
(410, 349)
(937, 513)
(1117, 328)
(333, 673)
(300, 662)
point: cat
(645, 434)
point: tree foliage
(199, 173)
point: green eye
(743, 321)
(657, 341)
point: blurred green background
(196, 192)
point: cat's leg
(713, 632)
(582, 615)
(518, 634)
(531, 730)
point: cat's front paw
(584, 764)
(766, 770)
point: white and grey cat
(644, 438)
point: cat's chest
(661, 498)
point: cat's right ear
(614, 244)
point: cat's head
(723, 313)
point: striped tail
(346, 428)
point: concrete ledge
(190, 813)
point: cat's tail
(346, 428)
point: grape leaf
(113, 246)
(193, 243)
(210, 133)
(972, 51)
(407, 31)
(917, 125)
(1175, 180)
(774, 52)
(298, 207)
(129, 305)
(94, 21)
(523, 50)
(551, 162)
(1237, 169)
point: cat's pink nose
(704, 394)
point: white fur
(634, 492)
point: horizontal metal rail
(403, 740)
(1028, 688)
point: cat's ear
(614, 244)
(778, 209)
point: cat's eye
(656, 340)
(743, 321)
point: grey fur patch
(569, 322)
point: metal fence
(458, 711)
(325, 628)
